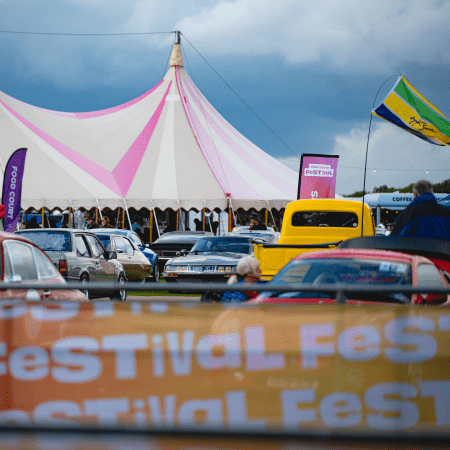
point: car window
(129, 247)
(324, 219)
(45, 267)
(96, 247)
(50, 240)
(119, 244)
(428, 275)
(80, 244)
(22, 260)
(106, 241)
(137, 240)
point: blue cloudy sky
(309, 69)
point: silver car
(80, 256)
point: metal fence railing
(341, 291)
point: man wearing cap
(90, 224)
(255, 223)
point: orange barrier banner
(289, 367)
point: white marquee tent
(168, 148)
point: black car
(212, 259)
(172, 243)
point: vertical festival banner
(317, 177)
(12, 188)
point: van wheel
(85, 280)
(121, 294)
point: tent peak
(176, 59)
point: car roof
(362, 253)
(430, 248)
(228, 236)
(111, 231)
(52, 230)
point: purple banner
(317, 178)
(12, 188)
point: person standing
(255, 223)
(90, 223)
(424, 217)
(105, 222)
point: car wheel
(156, 273)
(85, 280)
(121, 294)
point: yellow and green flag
(407, 109)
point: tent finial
(176, 58)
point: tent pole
(123, 218)
(70, 213)
(128, 215)
(43, 224)
(266, 216)
(156, 220)
(150, 223)
(99, 211)
(273, 218)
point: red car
(362, 267)
(23, 261)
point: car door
(122, 257)
(141, 266)
(24, 261)
(105, 270)
(85, 259)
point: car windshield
(224, 244)
(253, 234)
(105, 240)
(50, 240)
(353, 271)
(178, 238)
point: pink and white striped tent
(168, 148)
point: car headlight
(225, 269)
(169, 268)
(182, 268)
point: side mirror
(111, 255)
(15, 278)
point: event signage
(12, 188)
(346, 368)
(317, 177)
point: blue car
(149, 254)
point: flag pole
(367, 152)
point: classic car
(169, 244)
(137, 266)
(144, 248)
(212, 259)
(355, 267)
(79, 256)
(25, 261)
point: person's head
(254, 219)
(422, 187)
(247, 269)
(88, 217)
(105, 221)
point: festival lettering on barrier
(377, 367)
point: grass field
(160, 293)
